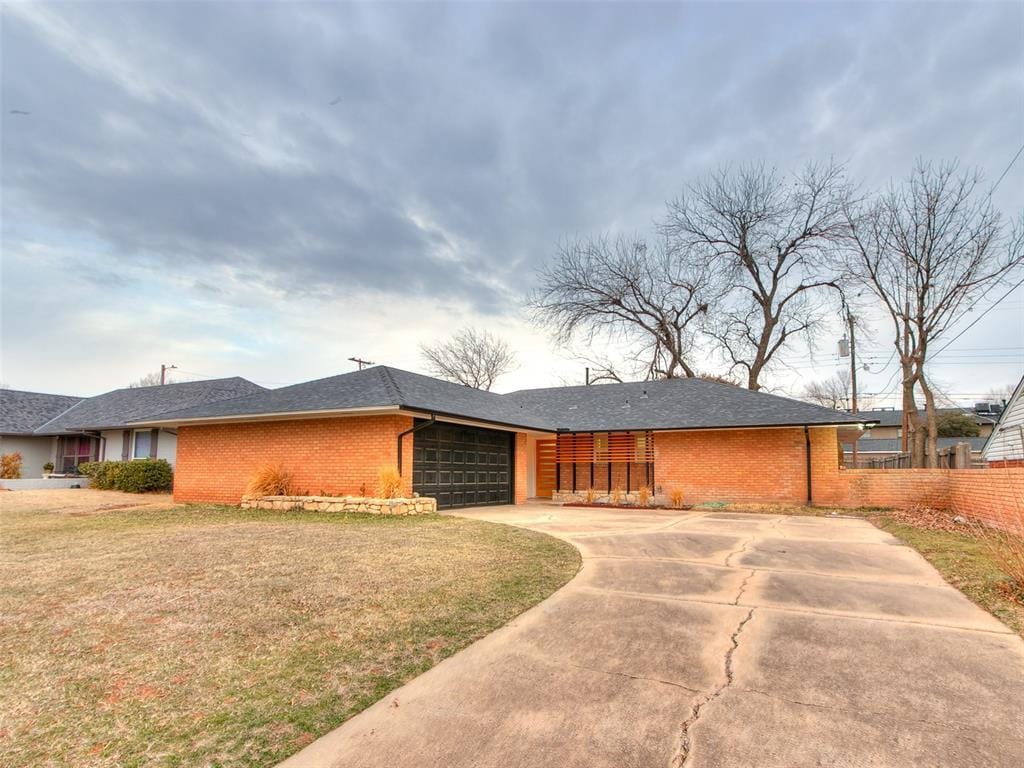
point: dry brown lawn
(152, 634)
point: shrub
(103, 474)
(616, 496)
(643, 495)
(675, 498)
(590, 495)
(389, 483)
(10, 466)
(48, 466)
(271, 480)
(137, 476)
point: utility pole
(852, 349)
(163, 372)
(907, 402)
(360, 362)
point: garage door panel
(462, 466)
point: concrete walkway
(713, 639)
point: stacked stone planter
(602, 497)
(360, 504)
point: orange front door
(546, 468)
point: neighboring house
(1005, 446)
(465, 446)
(21, 413)
(97, 428)
(890, 420)
(872, 448)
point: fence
(954, 457)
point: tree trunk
(932, 444)
(915, 433)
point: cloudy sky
(266, 190)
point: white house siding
(1007, 442)
(35, 451)
(113, 442)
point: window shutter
(152, 443)
(126, 445)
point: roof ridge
(390, 384)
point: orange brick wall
(994, 495)
(746, 465)
(216, 461)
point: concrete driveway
(713, 639)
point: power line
(974, 322)
(1006, 170)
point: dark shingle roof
(673, 404)
(377, 387)
(895, 445)
(670, 404)
(21, 412)
(114, 410)
(894, 418)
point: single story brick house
(68, 431)
(466, 447)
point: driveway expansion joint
(888, 716)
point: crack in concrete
(634, 677)
(683, 752)
(743, 586)
(747, 542)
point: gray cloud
(193, 138)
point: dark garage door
(462, 466)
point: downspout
(410, 431)
(807, 445)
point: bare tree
(473, 358)
(622, 289)
(929, 248)
(766, 239)
(833, 392)
(149, 380)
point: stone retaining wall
(363, 505)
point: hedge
(137, 476)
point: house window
(143, 441)
(74, 450)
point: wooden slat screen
(603, 447)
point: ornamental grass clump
(10, 466)
(1006, 543)
(643, 496)
(389, 483)
(271, 480)
(675, 498)
(590, 495)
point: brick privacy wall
(993, 495)
(216, 461)
(1006, 463)
(749, 465)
